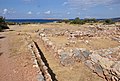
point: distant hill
(113, 19)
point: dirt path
(5, 65)
(15, 60)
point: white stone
(43, 35)
(59, 51)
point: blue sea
(32, 20)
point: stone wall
(43, 74)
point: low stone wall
(38, 62)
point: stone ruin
(39, 64)
(105, 62)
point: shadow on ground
(1, 53)
(2, 37)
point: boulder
(42, 34)
(40, 77)
(98, 70)
(76, 52)
(86, 53)
(50, 43)
(65, 60)
(63, 56)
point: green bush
(64, 20)
(0, 28)
(11, 23)
(77, 21)
(91, 20)
(108, 21)
(3, 24)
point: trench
(50, 71)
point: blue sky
(59, 8)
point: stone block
(98, 70)
(78, 55)
(65, 59)
(86, 53)
(106, 63)
(95, 57)
(89, 64)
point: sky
(65, 9)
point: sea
(45, 20)
(32, 20)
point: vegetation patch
(3, 24)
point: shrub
(3, 24)
(108, 21)
(77, 21)
(91, 20)
(0, 28)
(11, 23)
(64, 20)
